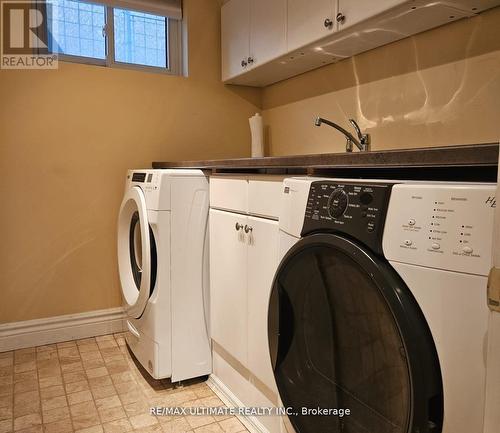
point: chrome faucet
(363, 141)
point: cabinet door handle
(250, 60)
(243, 63)
(248, 229)
(328, 23)
(238, 226)
(340, 18)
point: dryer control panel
(355, 209)
(441, 226)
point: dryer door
(346, 333)
(136, 252)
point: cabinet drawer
(264, 196)
(229, 192)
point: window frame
(173, 44)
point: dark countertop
(476, 157)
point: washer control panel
(355, 209)
(441, 226)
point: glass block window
(91, 32)
(76, 29)
(140, 38)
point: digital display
(138, 177)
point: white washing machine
(163, 265)
(379, 305)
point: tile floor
(95, 385)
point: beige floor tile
(22, 356)
(203, 391)
(6, 401)
(7, 370)
(131, 397)
(94, 429)
(82, 341)
(63, 426)
(97, 372)
(87, 356)
(143, 420)
(6, 389)
(27, 421)
(81, 385)
(6, 413)
(118, 426)
(25, 375)
(46, 348)
(93, 363)
(26, 397)
(48, 372)
(103, 391)
(126, 376)
(26, 385)
(155, 428)
(6, 362)
(46, 356)
(52, 391)
(137, 408)
(97, 382)
(26, 408)
(48, 363)
(84, 415)
(184, 396)
(117, 366)
(108, 402)
(111, 413)
(178, 425)
(6, 426)
(232, 425)
(196, 421)
(25, 366)
(127, 387)
(89, 347)
(53, 415)
(76, 376)
(34, 429)
(6, 381)
(210, 428)
(54, 402)
(79, 397)
(71, 352)
(46, 382)
(66, 344)
(71, 367)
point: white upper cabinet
(309, 21)
(352, 12)
(235, 37)
(267, 30)
(253, 32)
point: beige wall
(441, 87)
(66, 139)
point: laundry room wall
(67, 138)
(437, 88)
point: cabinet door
(263, 247)
(267, 30)
(306, 21)
(235, 37)
(228, 283)
(355, 11)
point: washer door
(346, 333)
(136, 252)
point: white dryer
(379, 305)
(163, 265)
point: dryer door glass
(339, 340)
(136, 252)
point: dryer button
(467, 250)
(408, 242)
(411, 222)
(435, 246)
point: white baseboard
(252, 423)
(29, 333)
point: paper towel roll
(257, 132)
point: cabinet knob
(328, 23)
(238, 226)
(340, 18)
(250, 60)
(243, 63)
(248, 229)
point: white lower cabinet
(228, 282)
(262, 263)
(243, 260)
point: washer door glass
(136, 252)
(346, 334)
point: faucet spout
(364, 139)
